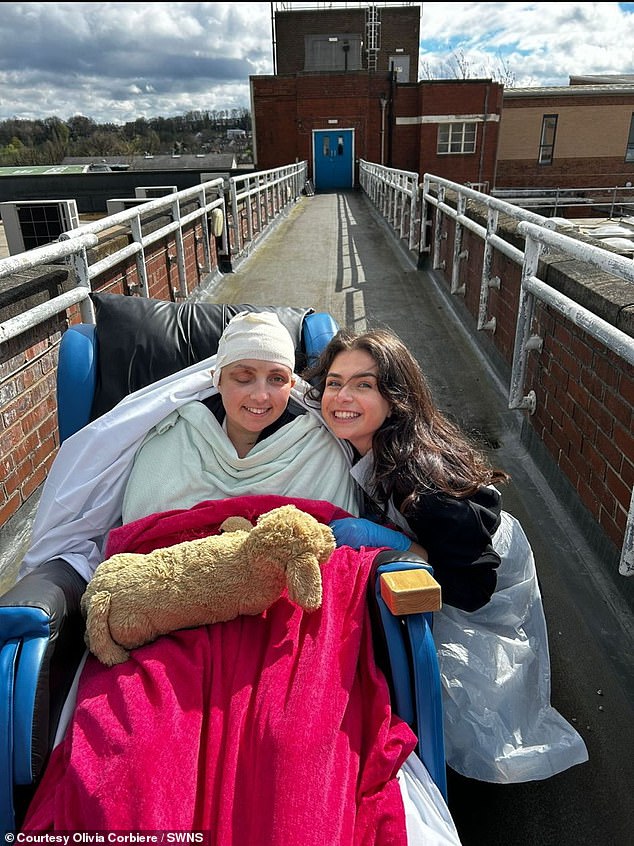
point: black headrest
(141, 340)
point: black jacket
(457, 534)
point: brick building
(346, 88)
(581, 135)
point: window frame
(547, 139)
(629, 147)
(460, 133)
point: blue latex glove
(357, 532)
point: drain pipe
(484, 133)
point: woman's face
(352, 404)
(254, 394)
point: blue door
(333, 158)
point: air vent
(34, 223)
(119, 204)
(150, 192)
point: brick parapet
(582, 430)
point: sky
(116, 62)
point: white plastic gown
(495, 671)
(495, 668)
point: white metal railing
(384, 184)
(207, 196)
(259, 196)
(541, 230)
(72, 247)
(492, 241)
(539, 234)
(395, 194)
(267, 193)
(538, 238)
(49, 254)
(614, 202)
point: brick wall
(399, 28)
(584, 417)
(460, 98)
(288, 108)
(590, 172)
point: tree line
(49, 141)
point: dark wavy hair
(417, 449)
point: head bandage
(256, 335)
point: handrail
(395, 193)
(618, 197)
(208, 195)
(538, 232)
(267, 193)
(48, 254)
(261, 195)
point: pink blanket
(263, 731)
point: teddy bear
(134, 598)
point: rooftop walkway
(332, 252)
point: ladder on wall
(373, 35)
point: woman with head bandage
(254, 377)
(247, 437)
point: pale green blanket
(188, 458)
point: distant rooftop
(206, 161)
(579, 85)
(27, 170)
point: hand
(357, 532)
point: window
(629, 151)
(339, 52)
(547, 142)
(456, 138)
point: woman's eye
(332, 383)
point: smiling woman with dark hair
(438, 492)
(418, 468)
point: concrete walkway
(333, 253)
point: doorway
(333, 159)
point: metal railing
(256, 201)
(38, 257)
(72, 247)
(395, 194)
(392, 192)
(258, 198)
(539, 234)
(607, 202)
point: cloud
(541, 44)
(115, 62)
